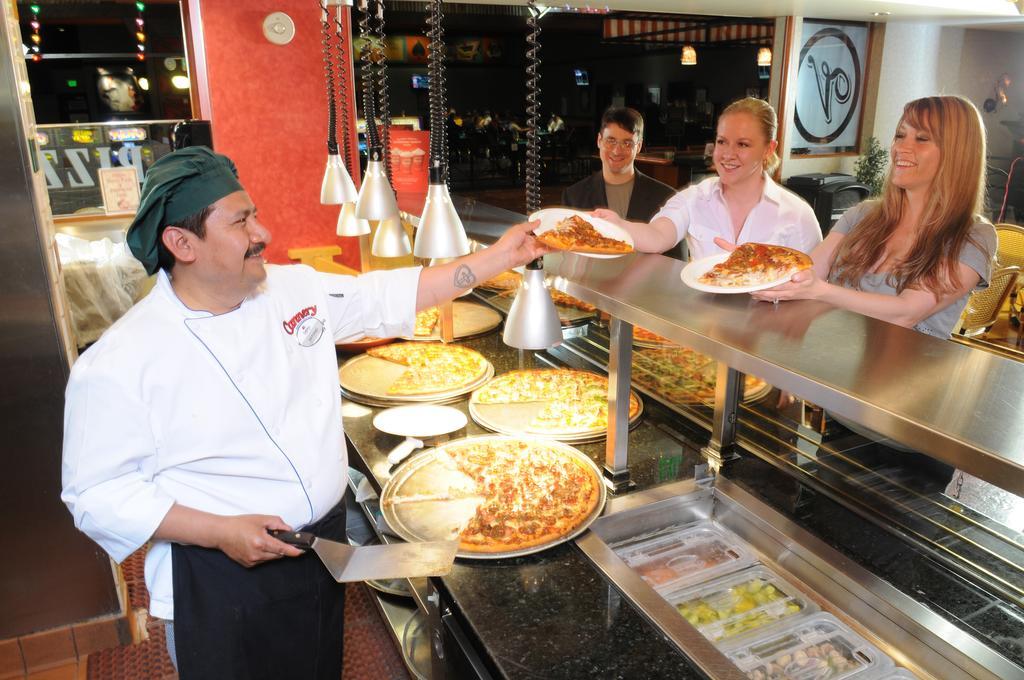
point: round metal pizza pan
(430, 521)
(471, 319)
(514, 420)
(366, 379)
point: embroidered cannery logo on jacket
(304, 325)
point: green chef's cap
(178, 185)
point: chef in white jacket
(210, 413)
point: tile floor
(370, 652)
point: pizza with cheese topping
(573, 401)
(432, 366)
(755, 264)
(577, 235)
(426, 320)
(684, 376)
(524, 493)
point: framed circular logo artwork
(830, 88)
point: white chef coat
(233, 413)
(781, 218)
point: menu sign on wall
(829, 88)
(409, 169)
(120, 188)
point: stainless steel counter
(957, 404)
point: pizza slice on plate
(577, 235)
(755, 264)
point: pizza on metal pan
(577, 235)
(525, 494)
(684, 376)
(509, 280)
(432, 366)
(755, 264)
(574, 401)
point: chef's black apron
(280, 619)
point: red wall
(268, 105)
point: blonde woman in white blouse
(742, 204)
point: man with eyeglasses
(620, 186)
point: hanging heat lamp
(764, 57)
(688, 57)
(336, 188)
(376, 201)
(440, 234)
(532, 321)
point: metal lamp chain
(369, 113)
(382, 88)
(342, 91)
(325, 43)
(438, 113)
(532, 178)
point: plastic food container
(680, 557)
(739, 604)
(895, 674)
(818, 647)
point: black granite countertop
(552, 614)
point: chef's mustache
(255, 249)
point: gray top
(618, 196)
(942, 324)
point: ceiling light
(688, 57)
(390, 239)
(764, 57)
(349, 224)
(337, 187)
(532, 321)
(881, 14)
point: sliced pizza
(533, 494)
(509, 280)
(683, 376)
(426, 320)
(571, 401)
(577, 235)
(432, 367)
(755, 264)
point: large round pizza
(414, 369)
(497, 495)
(684, 376)
(549, 401)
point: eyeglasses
(611, 143)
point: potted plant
(870, 167)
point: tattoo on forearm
(464, 277)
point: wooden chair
(983, 306)
(1010, 251)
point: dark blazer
(647, 198)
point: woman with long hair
(742, 203)
(913, 256)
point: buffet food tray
(818, 647)
(427, 471)
(471, 320)
(366, 379)
(680, 556)
(735, 608)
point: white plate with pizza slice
(694, 270)
(550, 218)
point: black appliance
(192, 133)
(829, 195)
